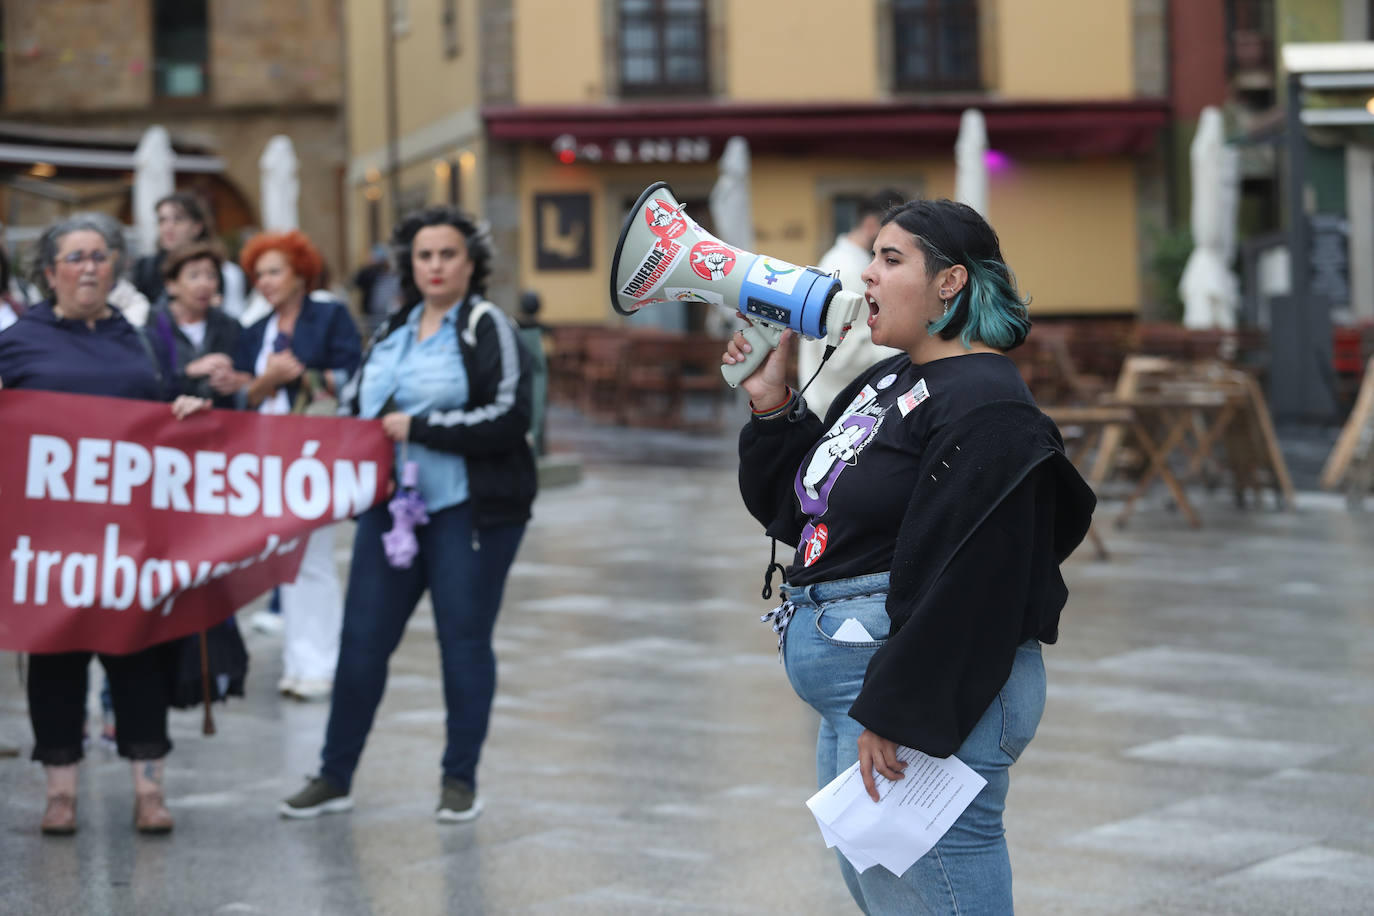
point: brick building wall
(88, 56)
(274, 68)
(275, 53)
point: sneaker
(266, 622)
(320, 796)
(308, 689)
(457, 802)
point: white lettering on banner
(49, 459)
(171, 472)
(132, 467)
(91, 469)
(112, 580)
(244, 494)
(206, 483)
(210, 482)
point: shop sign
(568, 149)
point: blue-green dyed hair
(988, 309)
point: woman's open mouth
(872, 309)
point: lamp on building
(565, 148)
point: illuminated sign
(568, 150)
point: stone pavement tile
(1096, 885)
(1337, 807)
(1057, 793)
(1237, 753)
(1315, 879)
(1193, 845)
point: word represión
(112, 472)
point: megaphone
(664, 256)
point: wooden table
(1201, 411)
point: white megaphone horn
(664, 256)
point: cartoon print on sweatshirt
(839, 449)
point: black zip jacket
(489, 430)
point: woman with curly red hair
(303, 351)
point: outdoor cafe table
(1161, 424)
(1177, 421)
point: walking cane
(208, 727)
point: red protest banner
(121, 527)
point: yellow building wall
(1063, 49)
(559, 54)
(365, 83)
(777, 50)
(429, 85)
(1068, 230)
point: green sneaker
(320, 796)
(457, 802)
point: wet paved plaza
(1208, 745)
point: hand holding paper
(908, 820)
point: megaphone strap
(773, 565)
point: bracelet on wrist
(776, 410)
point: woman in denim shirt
(450, 382)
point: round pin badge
(886, 381)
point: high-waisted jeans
(968, 872)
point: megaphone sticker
(665, 220)
(712, 260)
(661, 257)
(777, 275)
(687, 294)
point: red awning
(1074, 129)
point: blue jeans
(968, 872)
(465, 586)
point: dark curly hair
(475, 233)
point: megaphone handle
(763, 339)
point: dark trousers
(140, 687)
(465, 586)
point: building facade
(223, 76)
(550, 118)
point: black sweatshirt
(952, 479)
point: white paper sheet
(852, 631)
(910, 817)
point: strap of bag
(479, 308)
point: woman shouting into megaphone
(930, 510)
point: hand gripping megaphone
(664, 256)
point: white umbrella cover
(1208, 287)
(732, 212)
(970, 168)
(281, 186)
(732, 215)
(153, 180)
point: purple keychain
(407, 511)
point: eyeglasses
(77, 257)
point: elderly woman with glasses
(76, 342)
